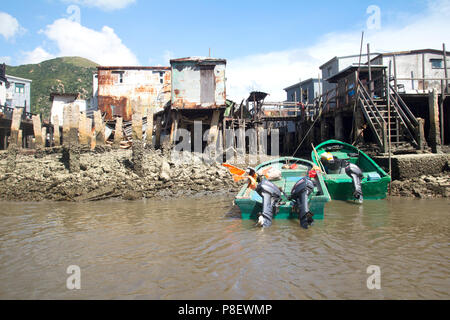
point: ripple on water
(194, 249)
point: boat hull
(340, 186)
(250, 203)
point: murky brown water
(190, 249)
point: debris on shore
(110, 174)
(424, 187)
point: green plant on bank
(61, 75)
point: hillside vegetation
(62, 75)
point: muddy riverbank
(110, 174)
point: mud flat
(110, 174)
(419, 175)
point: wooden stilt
(158, 133)
(56, 134)
(149, 130)
(99, 129)
(37, 131)
(118, 133)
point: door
(208, 85)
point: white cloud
(72, 39)
(273, 71)
(36, 56)
(9, 26)
(107, 5)
(6, 60)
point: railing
(371, 112)
(8, 112)
(282, 109)
(408, 120)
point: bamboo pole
(389, 126)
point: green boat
(250, 203)
(375, 180)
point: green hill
(62, 75)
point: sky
(269, 45)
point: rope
(319, 115)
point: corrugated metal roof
(131, 68)
(199, 59)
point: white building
(417, 71)
(60, 100)
(18, 93)
(337, 64)
(2, 84)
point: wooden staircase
(402, 125)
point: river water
(197, 249)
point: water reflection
(198, 249)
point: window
(118, 76)
(329, 71)
(20, 88)
(437, 63)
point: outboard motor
(271, 198)
(299, 194)
(354, 172)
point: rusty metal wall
(187, 83)
(118, 94)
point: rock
(132, 195)
(164, 174)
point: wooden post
(338, 126)
(118, 133)
(275, 142)
(323, 129)
(445, 72)
(224, 132)
(19, 139)
(14, 139)
(85, 132)
(74, 124)
(420, 133)
(71, 150)
(137, 147)
(370, 72)
(90, 136)
(213, 130)
(44, 137)
(158, 133)
(395, 72)
(56, 133)
(136, 124)
(66, 124)
(74, 149)
(37, 131)
(434, 121)
(241, 147)
(149, 130)
(423, 72)
(99, 129)
(262, 141)
(173, 128)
